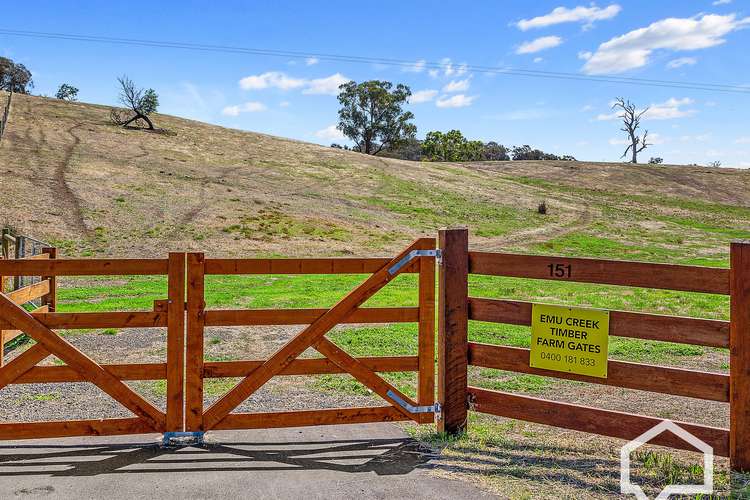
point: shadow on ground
(381, 456)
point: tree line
(373, 117)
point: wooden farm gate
(185, 370)
(419, 257)
(457, 353)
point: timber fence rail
(457, 308)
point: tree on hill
(14, 77)
(372, 115)
(451, 146)
(631, 120)
(495, 152)
(141, 103)
(67, 92)
(526, 152)
(410, 149)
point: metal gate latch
(411, 408)
(412, 255)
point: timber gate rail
(185, 316)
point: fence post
(175, 342)
(739, 357)
(20, 254)
(50, 300)
(6, 243)
(453, 326)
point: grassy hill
(70, 177)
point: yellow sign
(567, 339)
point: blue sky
(693, 41)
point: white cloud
(285, 104)
(633, 49)
(457, 86)
(667, 110)
(278, 80)
(422, 96)
(578, 14)
(271, 79)
(541, 43)
(671, 108)
(330, 133)
(312, 61)
(455, 101)
(417, 67)
(328, 85)
(742, 140)
(681, 61)
(587, 107)
(248, 107)
(538, 59)
(722, 2)
(447, 68)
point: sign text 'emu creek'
(572, 340)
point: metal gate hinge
(411, 256)
(411, 408)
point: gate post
(453, 323)
(175, 341)
(196, 305)
(739, 356)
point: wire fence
(16, 246)
(6, 114)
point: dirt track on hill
(71, 176)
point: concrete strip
(344, 461)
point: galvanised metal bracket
(411, 408)
(413, 255)
(182, 438)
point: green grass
(431, 207)
(681, 239)
(303, 291)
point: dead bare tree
(141, 102)
(631, 119)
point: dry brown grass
(70, 176)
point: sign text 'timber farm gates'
(572, 340)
